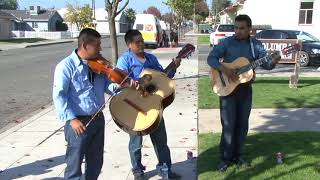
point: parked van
(150, 28)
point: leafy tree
(131, 15)
(9, 4)
(113, 11)
(155, 11)
(81, 16)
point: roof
(6, 15)
(25, 15)
(101, 14)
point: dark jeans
(235, 111)
(89, 145)
(159, 141)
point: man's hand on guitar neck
(229, 72)
(177, 61)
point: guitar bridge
(136, 107)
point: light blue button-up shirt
(231, 48)
(73, 93)
(129, 62)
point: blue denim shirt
(73, 93)
(231, 48)
(130, 63)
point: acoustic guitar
(140, 115)
(222, 86)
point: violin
(103, 66)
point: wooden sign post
(294, 58)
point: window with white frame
(306, 12)
(34, 24)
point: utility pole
(94, 14)
(194, 18)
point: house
(36, 19)
(6, 25)
(122, 24)
(301, 15)
(102, 24)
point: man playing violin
(78, 95)
(134, 61)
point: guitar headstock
(186, 51)
(291, 49)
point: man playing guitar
(235, 108)
(134, 61)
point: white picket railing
(45, 35)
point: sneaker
(138, 176)
(241, 162)
(223, 166)
(173, 175)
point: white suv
(219, 32)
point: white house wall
(42, 26)
(281, 14)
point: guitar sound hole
(151, 88)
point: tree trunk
(113, 38)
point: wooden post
(294, 79)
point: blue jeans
(90, 145)
(159, 141)
(235, 111)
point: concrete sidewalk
(266, 120)
(9, 46)
(35, 149)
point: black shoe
(138, 176)
(242, 162)
(173, 175)
(223, 166)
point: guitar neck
(171, 67)
(254, 64)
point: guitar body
(226, 88)
(132, 119)
(141, 115)
(164, 85)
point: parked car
(220, 31)
(310, 51)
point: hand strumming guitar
(229, 72)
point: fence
(44, 35)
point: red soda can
(279, 157)
(189, 155)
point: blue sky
(138, 5)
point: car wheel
(304, 59)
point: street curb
(30, 118)
(49, 43)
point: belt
(88, 117)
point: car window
(226, 28)
(140, 27)
(269, 35)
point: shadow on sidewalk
(187, 170)
(35, 168)
(291, 120)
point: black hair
(130, 34)
(87, 35)
(244, 17)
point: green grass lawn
(301, 162)
(21, 40)
(269, 92)
(204, 39)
